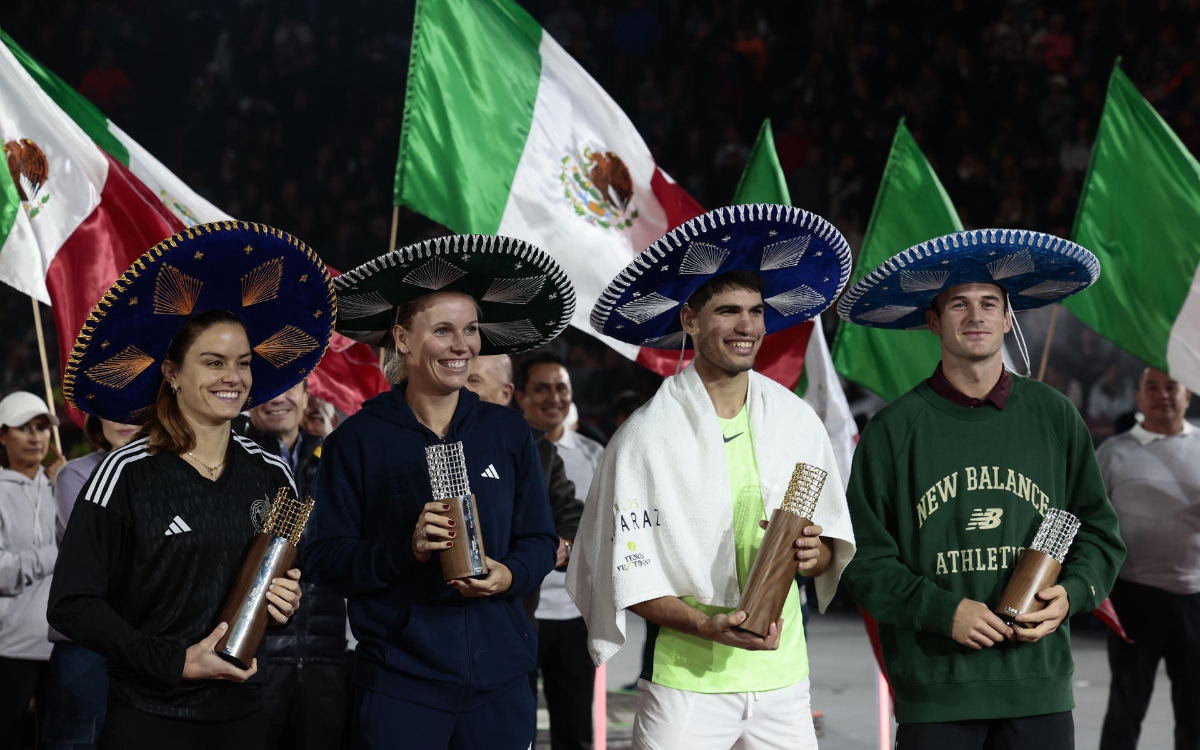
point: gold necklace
(212, 470)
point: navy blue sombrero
(525, 297)
(275, 283)
(803, 261)
(1035, 269)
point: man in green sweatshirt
(949, 485)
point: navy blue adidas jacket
(419, 639)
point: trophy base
(466, 559)
(1035, 571)
(773, 573)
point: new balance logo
(177, 527)
(985, 518)
(490, 472)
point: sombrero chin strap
(1020, 337)
(682, 349)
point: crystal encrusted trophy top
(804, 490)
(1056, 533)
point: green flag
(1140, 214)
(911, 207)
(763, 182)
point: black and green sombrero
(275, 283)
(526, 298)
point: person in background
(624, 404)
(1152, 473)
(304, 673)
(77, 691)
(543, 389)
(320, 418)
(27, 556)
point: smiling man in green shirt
(676, 512)
(949, 485)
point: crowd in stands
(289, 113)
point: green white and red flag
(81, 200)
(1139, 212)
(763, 182)
(72, 217)
(505, 133)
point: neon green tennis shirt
(687, 662)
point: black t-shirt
(149, 557)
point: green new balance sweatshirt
(944, 499)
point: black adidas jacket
(148, 559)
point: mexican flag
(81, 200)
(72, 216)
(911, 207)
(1139, 212)
(763, 182)
(504, 133)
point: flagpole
(41, 339)
(395, 226)
(1046, 347)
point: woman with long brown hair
(196, 329)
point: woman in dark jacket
(443, 665)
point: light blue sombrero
(1035, 269)
(803, 261)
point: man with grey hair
(1152, 473)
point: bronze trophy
(271, 556)
(774, 571)
(1038, 567)
(448, 477)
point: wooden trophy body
(1034, 571)
(773, 573)
(245, 611)
(466, 559)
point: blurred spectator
(27, 555)
(106, 84)
(77, 686)
(320, 418)
(1110, 396)
(1075, 153)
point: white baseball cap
(18, 408)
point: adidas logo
(490, 472)
(177, 527)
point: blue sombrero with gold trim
(275, 283)
(1034, 268)
(802, 259)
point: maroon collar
(997, 397)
